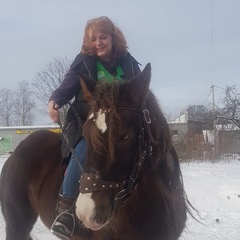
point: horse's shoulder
(43, 133)
(43, 139)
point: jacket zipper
(87, 69)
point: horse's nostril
(101, 217)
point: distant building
(10, 137)
(199, 140)
(189, 138)
(227, 139)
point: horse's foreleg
(19, 223)
(21, 232)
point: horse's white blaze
(85, 211)
(101, 121)
(84, 206)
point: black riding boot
(64, 223)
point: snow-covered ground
(213, 189)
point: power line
(211, 92)
(219, 87)
(207, 96)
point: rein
(75, 156)
(90, 184)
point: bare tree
(48, 79)
(198, 113)
(230, 112)
(24, 105)
(6, 107)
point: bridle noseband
(90, 183)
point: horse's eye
(124, 137)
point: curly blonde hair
(105, 25)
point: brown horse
(131, 188)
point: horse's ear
(88, 86)
(140, 84)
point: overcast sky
(191, 44)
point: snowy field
(214, 189)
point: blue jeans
(72, 175)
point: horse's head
(126, 134)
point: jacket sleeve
(70, 85)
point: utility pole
(213, 115)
